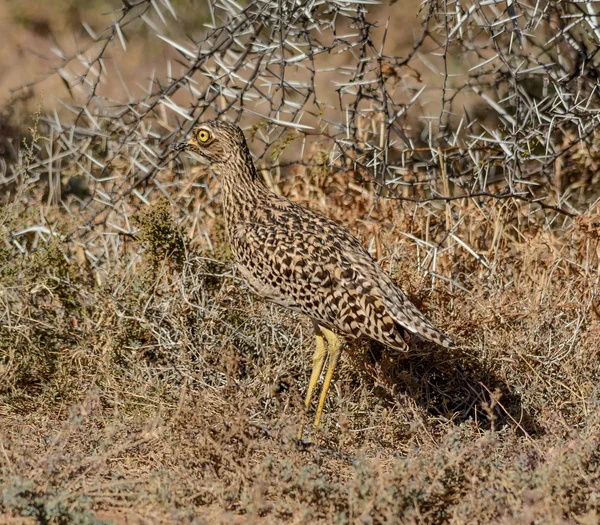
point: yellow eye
(204, 136)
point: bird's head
(216, 140)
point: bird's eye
(204, 136)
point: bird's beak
(191, 142)
(180, 146)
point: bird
(304, 261)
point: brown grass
(141, 382)
(162, 391)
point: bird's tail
(415, 322)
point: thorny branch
(490, 102)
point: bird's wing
(322, 270)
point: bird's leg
(334, 356)
(318, 360)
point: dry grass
(162, 391)
(141, 381)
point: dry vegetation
(140, 380)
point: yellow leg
(334, 356)
(318, 360)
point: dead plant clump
(159, 390)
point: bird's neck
(243, 189)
